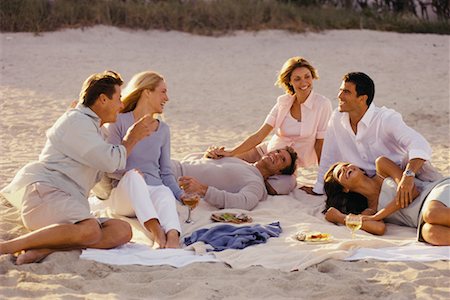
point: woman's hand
(368, 218)
(215, 152)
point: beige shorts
(44, 205)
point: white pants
(134, 198)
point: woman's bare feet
(159, 237)
(173, 239)
(32, 256)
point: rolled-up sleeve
(272, 116)
(409, 139)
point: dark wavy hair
(345, 202)
(289, 170)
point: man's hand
(406, 191)
(309, 190)
(192, 185)
(139, 130)
(215, 152)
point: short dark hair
(97, 84)
(346, 203)
(363, 83)
(289, 170)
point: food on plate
(314, 236)
(231, 218)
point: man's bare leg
(85, 234)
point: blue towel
(226, 236)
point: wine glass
(353, 222)
(191, 200)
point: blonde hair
(289, 66)
(140, 82)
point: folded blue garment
(227, 236)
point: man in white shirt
(52, 192)
(359, 132)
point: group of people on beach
(370, 163)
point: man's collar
(87, 111)
(368, 115)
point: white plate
(303, 237)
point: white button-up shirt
(381, 132)
(316, 112)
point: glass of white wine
(353, 222)
(190, 200)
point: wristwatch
(409, 173)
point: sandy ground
(220, 91)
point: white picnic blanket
(296, 212)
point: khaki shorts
(44, 205)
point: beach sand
(220, 91)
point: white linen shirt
(73, 159)
(381, 132)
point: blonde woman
(299, 119)
(147, 188)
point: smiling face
(346, 174)
(348, 99)
(301, 80)
(113, 106)
(158, 97)
(276, 160)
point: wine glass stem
(188, 220)
(353, 235)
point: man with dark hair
(231, 182)
(52, 192)
(359, 132)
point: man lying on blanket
(231, 182)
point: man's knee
(122, 230)
(89, 232)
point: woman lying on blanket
(350, 190)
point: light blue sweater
(151, 155)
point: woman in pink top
(299, 119)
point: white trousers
(134, 198)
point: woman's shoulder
(163, 126)
(285, 98)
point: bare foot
(32, 256)
(159, 237)
(173, 239)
